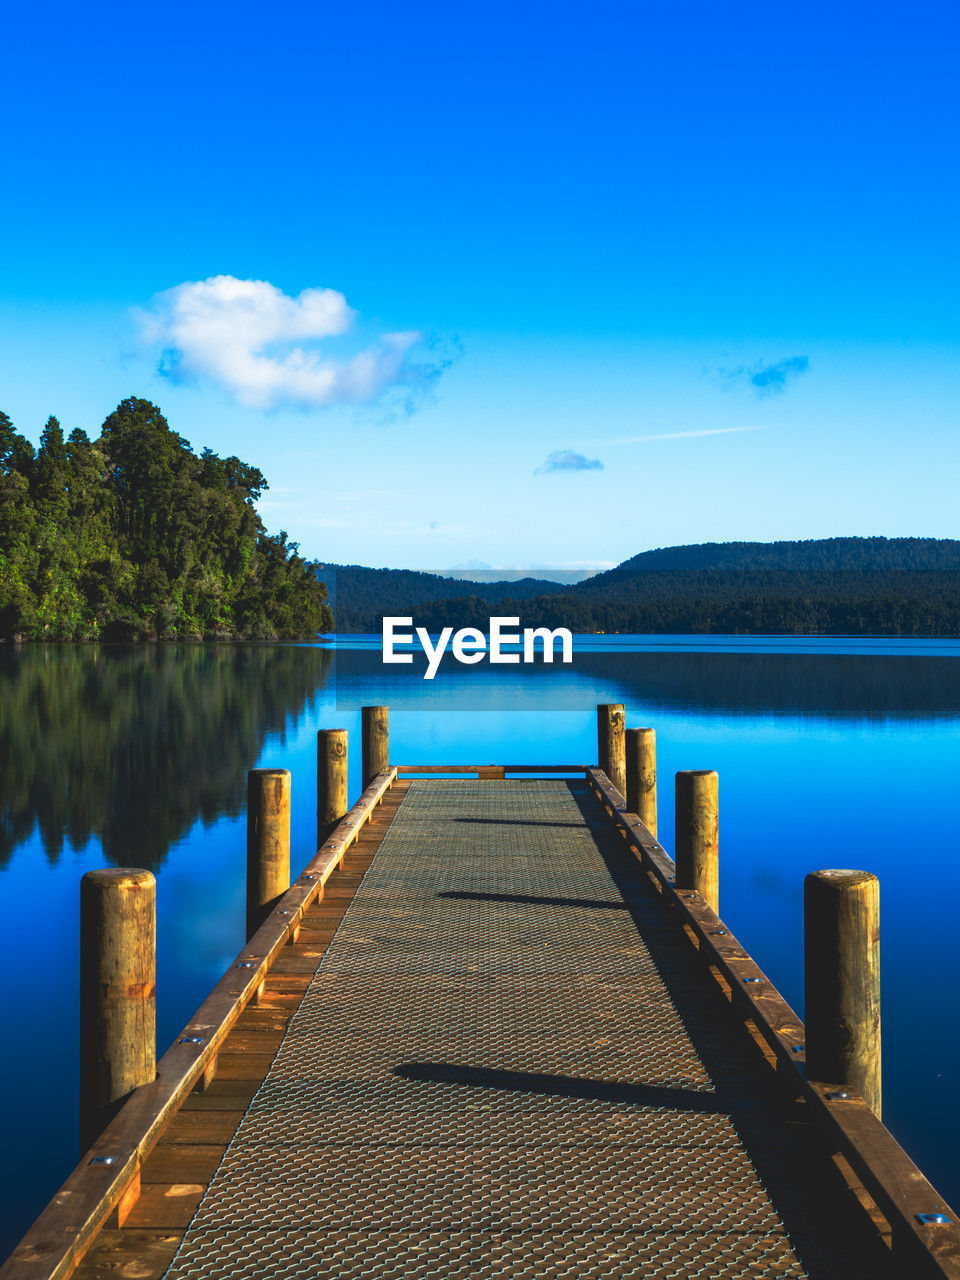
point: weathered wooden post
(611, 752)
(841, 929)
(118, 974)
(697, 834)
(268, 843)
(641, 751)
(375, 744)
(331, 780)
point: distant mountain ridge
(396, 591)
(849, 586)
(832, 555)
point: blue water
(830, 753)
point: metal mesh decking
(488, 1077)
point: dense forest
(727, 603)
(833, 555)
(376, 592)
(836, 586)
(132, 535)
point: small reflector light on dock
(933, 1219)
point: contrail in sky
(680, 435)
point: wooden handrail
(110, 1170)
(902, 1193)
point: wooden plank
(164, 1206)
(254, 1039)
(182, 1162)
(898, 1187)
(319, 931)
(121, 1255)
(259, 1019)
(202, 1128)
(54, 1245)
(406, 770)
(245, 1066)
(223, 1095)
(289, 965)
(578, 769)
(281, 988)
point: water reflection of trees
(842, 686)
(134, 744)
(831, 686)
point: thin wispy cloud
(683, 435)
(265, 348)
(568, 460)
(768, 378)
(572, 569)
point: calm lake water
(830, 754)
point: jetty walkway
(485, 1035)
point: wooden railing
(107, 1179)
(923, 1245)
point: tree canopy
(133, 535)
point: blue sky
(591, 234)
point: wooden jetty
(493, 1030)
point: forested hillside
(132, 535)
(363, 594)
(727, 603)
(824, 555)
(838, 586)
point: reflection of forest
(835, 686)
(846, 686)
(133, 744)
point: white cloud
(246, 337)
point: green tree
(134, 535)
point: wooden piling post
(841, 926)
(375, 745)
(697, 833)
(268, 843)
(331, 780)
(118, 1038)
(641, 753)
(611, 750)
